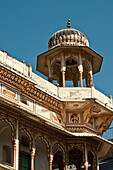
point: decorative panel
(73, 118)
(42, 111)
(56, 118)
(9, 92)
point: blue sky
(26, 26)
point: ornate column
(63, 69)
(86, 158)
(32, 158)
(51, 161)
(65, 161)
(63, 78)
(16, 148)
(80, 69)
(91, 76)
(97, 164)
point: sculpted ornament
(102, 125)
(74, 118)
(96, 109)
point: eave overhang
(105, 147)
(42, 59)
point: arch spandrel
(25, 139)
(11, 123)
(46, 141)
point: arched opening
(41, 155)
(91, 161)
(24, 154)
(72, 72)
(58, 156)
(7, 154)
(56, 77)
(58, 161)
(75, 159)
(6, 147)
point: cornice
(28, 88)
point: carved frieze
(9, 92)
(29, 89)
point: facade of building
(108, 162)
(53, 127)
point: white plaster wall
(74, 93)
(43, 111)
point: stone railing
(14, 64)
(26, 71)
(44, 84)
(74, 93)
(83, 93)
(102, 98)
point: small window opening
(7, 154)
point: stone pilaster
(16, 154)
(80, 69)
(86, 158)
(32, 158)
(51, 161)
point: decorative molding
(28, 88)
(10, 121)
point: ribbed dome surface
(68, 36)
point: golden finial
(68, 23)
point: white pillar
(63, 78)
(16, 148)
(91, 77)
(86, 158)
(32, 158)
(65, 164)
(80, 74)
(51, 161)
(80, 69)
(63, 69)
(97, 164)
(97, 167)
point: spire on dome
(68, 23)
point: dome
(68, 36)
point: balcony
(83, 93)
